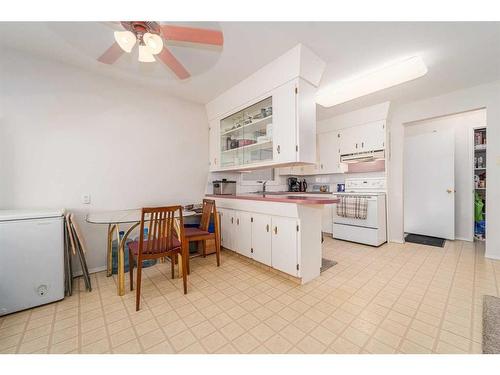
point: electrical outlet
(86, 198)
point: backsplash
(325, 179)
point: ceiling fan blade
(111, 54)
(192, 34)
(169, 60)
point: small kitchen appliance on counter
(316, 188)
(224, 187)
(303, 185)
(293, 184)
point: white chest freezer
(31, 258)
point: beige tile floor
(393, 299)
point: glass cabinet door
(247, 135)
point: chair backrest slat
(207, 211)
(161, 230)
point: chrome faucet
(263, 186)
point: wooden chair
(201, 233)
(166, 227)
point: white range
(373, 229)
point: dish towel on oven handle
(352, 206)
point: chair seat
(134, 247)
(192, 232)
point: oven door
(371, 220)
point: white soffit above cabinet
(378, 112)
(297, 62)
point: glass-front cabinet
(277, 128)
(246, 137)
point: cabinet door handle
(267, 227)
(215, 161)
(275, 230)
(232, 220)
(238, 221)
(356, 145)
(321, 166)
(278, 149)
(362, 144)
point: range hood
(363, 156)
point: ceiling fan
(151, 37)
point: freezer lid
(26, 214)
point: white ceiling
(458, 54)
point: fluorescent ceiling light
(388, 76)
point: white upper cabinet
(362, 138)
(278, 128)
(268, 119)
(329, 153)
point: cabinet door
(213, 145)
(284, 123)
(284, 244)
(261, 238)
(227, 221)
(242, 240)
(328, 152)
(372, 136)
(348, 141)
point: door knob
(449, 191)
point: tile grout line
(434, 347)
(413, 317)
(18, 346)
(108, 336)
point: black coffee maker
(293, 184)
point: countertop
(296, 198)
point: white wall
(483, 96)
(66, 132)
(462, 124)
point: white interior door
(429, 184)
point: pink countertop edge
(279, 198)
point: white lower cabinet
(284, 244)
(227, 228)
(271, 240)
(261, 238)
(242, 233)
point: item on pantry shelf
(482, 183)
(263, 138)
(234, 143)
(476, 181)
(480, 162)
(269, 111)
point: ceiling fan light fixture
(126, 40)
(154, 42)
(145, 54)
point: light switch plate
(86, 198)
